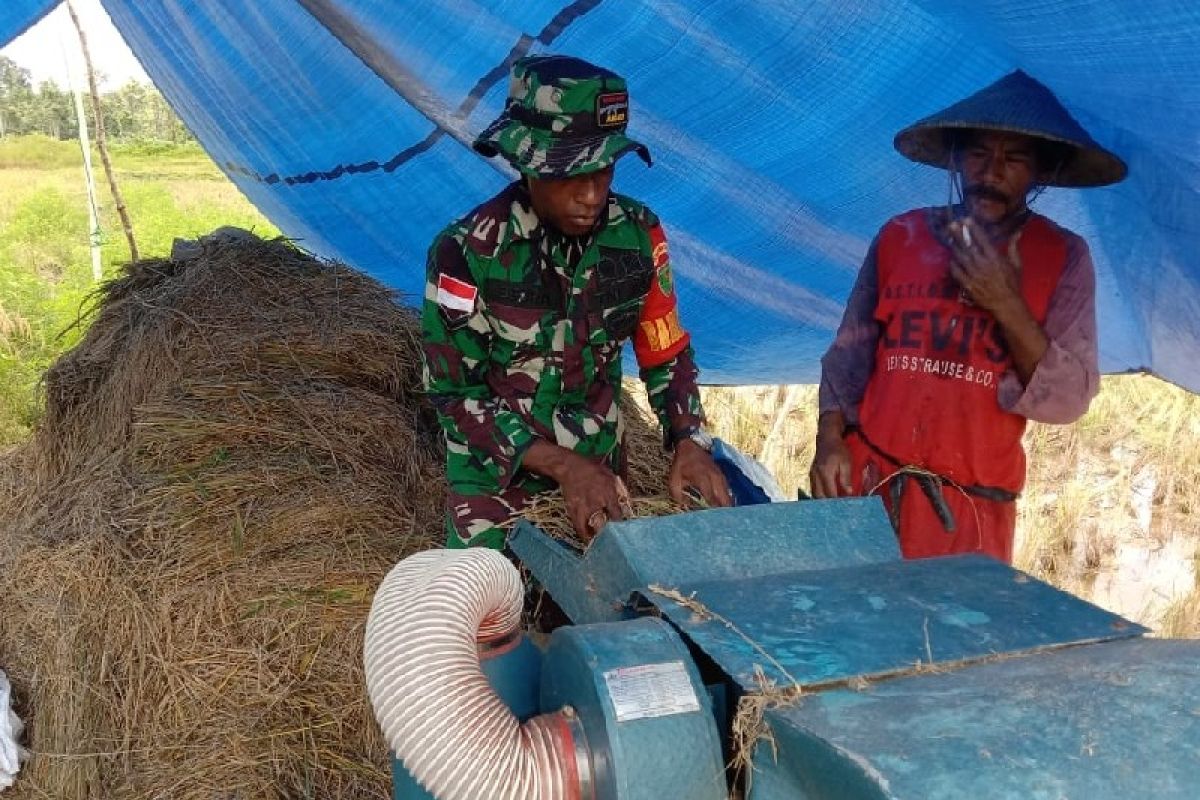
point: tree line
(134, 112)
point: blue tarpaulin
(771, 124)
(17, 15)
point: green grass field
(45, 262)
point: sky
(47, 48)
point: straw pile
(230, 461)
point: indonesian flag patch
(454, 294)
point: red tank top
(931, 400)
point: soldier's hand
(693, 466)
(830, 472)
(594, 495)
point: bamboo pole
(89, 175)
(101, 141)
(93, 217)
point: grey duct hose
(437, 710)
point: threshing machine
(775, 651)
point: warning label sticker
(651, 690)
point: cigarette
(966, 232)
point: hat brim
(540, 154)
(1088, 166)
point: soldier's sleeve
(663, 347)
(485, 440)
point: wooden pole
(101, 141)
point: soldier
(528, 301)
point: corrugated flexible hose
(437, 710)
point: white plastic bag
(11, 754)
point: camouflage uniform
(523, 326)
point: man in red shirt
(964, 322)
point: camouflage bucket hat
(563, 117)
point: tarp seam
(559, 23)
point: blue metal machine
(947, 678)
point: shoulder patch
(455, 295)
(662, 259)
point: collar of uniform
(523, 221)
(509, 217)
